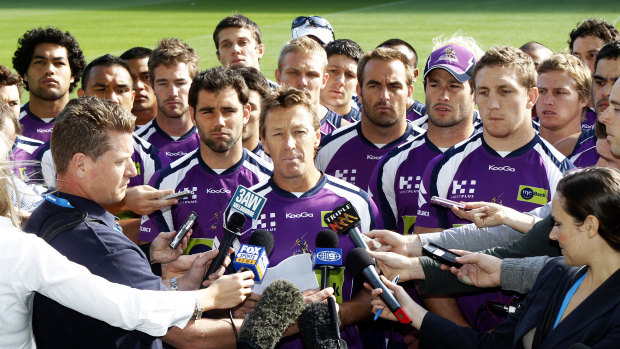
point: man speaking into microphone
(298, 196)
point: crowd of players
(338, 125)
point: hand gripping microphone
(345, 220)
(276, 310)
(233, 228)
(325, 258)
(254, 255)
(361, 265)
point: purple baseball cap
(457, 60)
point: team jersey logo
(266, 221)
(448, 55)
(534, 195)
(192, 199)
(407, 183)
(346, 175)
(463, 189)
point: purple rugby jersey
(472, 171)
(147, 159)
(173, 148)
(416, 111)
(24, 157)
(295, 222)
(395, 182)
(589, 119)
(584, 154)
(211, 194)
(348, 155)
(331, 122)
(34, 127)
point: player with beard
(450, 97)
(145, 103)
(415, 109)
(218, 100)
(385, 82)
(50, 62)
(172, 65)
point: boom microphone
(278, 308)
(234, 225)
(345, 220)
(361, 265)
(317, 330)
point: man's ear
(80, 93)
(278, 77)
(79, 164)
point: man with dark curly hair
(51, 62)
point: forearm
(356, 309)
(471, 238)
(519, 274)
(437, 281)
(204, 334)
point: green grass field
(112, 26)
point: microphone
(345, 220)
(316, 328)
(325, 258)
(278, 308)
(254, 255)
(233, 228)
(361, 265)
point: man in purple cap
(450, 97)
(316, 27)
(385, 82)
(507, 163)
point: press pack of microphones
(282, 303)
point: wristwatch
(198, 312)
(174, 285)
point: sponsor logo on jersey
(44, 130)
(193, 198)
(323, 213)
(299, 215)
(407, 183)
(346, 175)
(218, 191)
(373, 157)
(501, 168)
(534, 195)
(463, 189)
(265, 221)
(179, 153)
(423, 213)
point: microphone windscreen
(317, 329)
(278, 308)
(327, 238)
(357, 260)
(263, 238)
(235, 222)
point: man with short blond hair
(302, 64)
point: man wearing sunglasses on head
(315, 27)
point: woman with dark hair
(576, 298)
